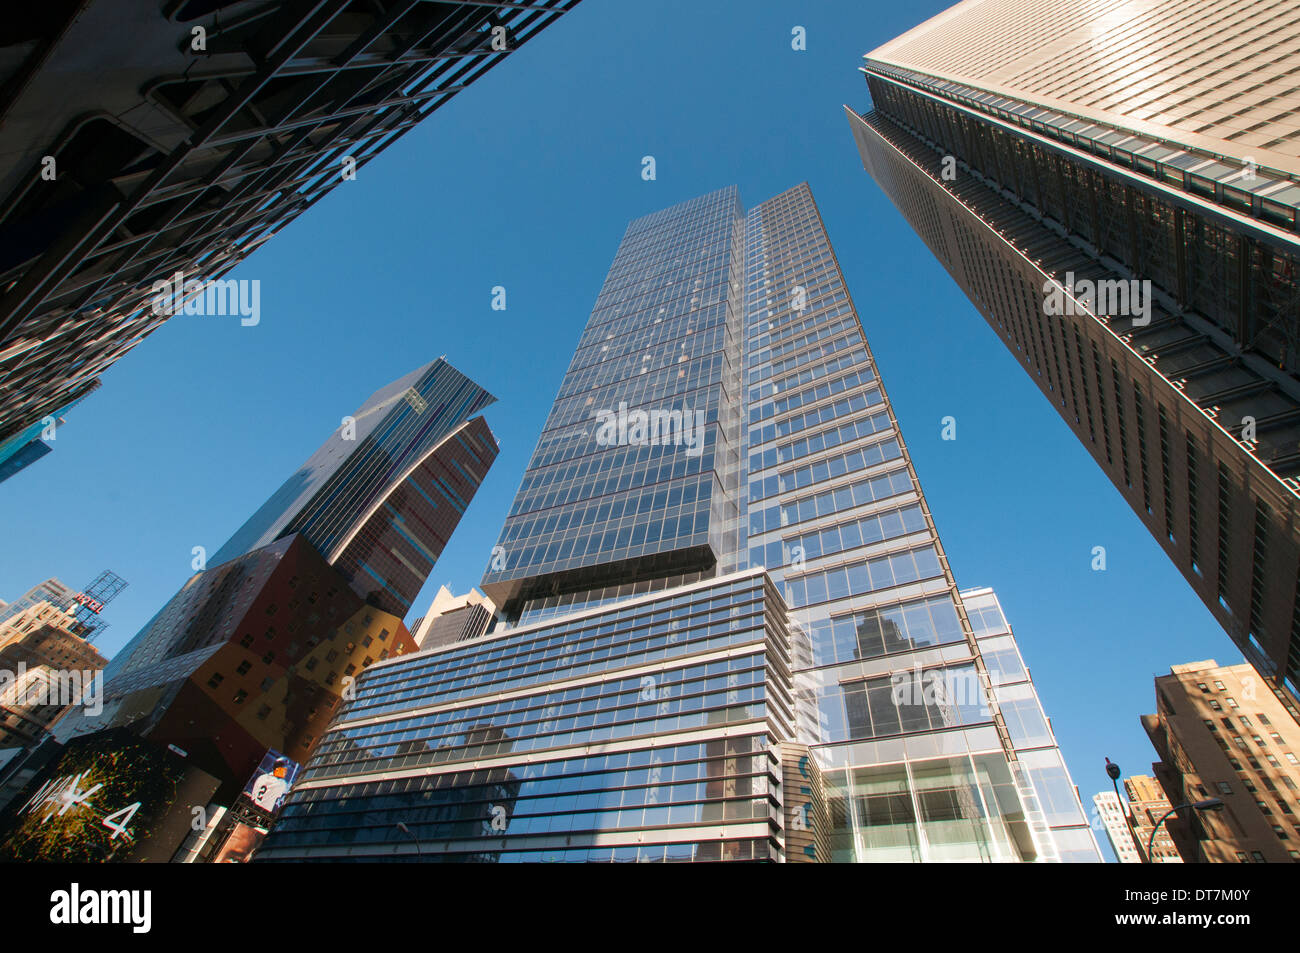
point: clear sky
(527, 181)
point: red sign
(94, 605)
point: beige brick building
(45, 667)
(1225, 732)
(1147, 805)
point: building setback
(1115, 187)
(1223, 731)
(719, 552)
(642, 731)
(143, 140)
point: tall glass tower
(258, 648)
(617, 508)
(1116, 187)
(916, 760)
(728, 627)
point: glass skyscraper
(728, 628)
(133, 154)
(1116, 187)
(257, 649)
(665, 338)
(381, 496)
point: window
(1215, 705)
(1257, 856)
(240, 696)
(243, 668)
(1263, 720)
(1291, 758)
(1281, 834)
(1218, 685)
(1203, 687)
(216, 679)
(1232, 702)
(1225, 787)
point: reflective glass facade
(644, 731)
(640, 501)
(914, 758)
(381, 496)
(878, 672)
(180, 158)
(1056, 798)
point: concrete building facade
(1225, 732)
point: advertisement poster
(257, 806)
(107, 797)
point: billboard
(107, 797)
(266, 788)
(256, 807)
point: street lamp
(1113, 772)
(401, 826)
(1209, 804)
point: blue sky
(527, 180)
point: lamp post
(1209, 804)
(401, 826)
(1113, 772)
